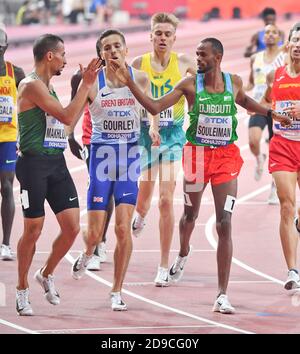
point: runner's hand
(155, 137)
(293, 111)
(121, 70)
(90, 73)
(75, 147)
(284, 120)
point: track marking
(158, 304)
(19, 328)
(71, 330)
(210, 237)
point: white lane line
(19, 328)
(158, 304)
(210, 237)
(71, 330)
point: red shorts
(217, 165)
(284, 155)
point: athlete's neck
(294, 68)
(271, 51)
(213, 81)
(160, 60)
(111, 78)
(42, 73)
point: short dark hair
(217, 46)
(44, 44)
(268, 11)
(295, 28)
(107, 33)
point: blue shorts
(8, 156)
(114, 170)
(170, 149)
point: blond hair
(164, 17)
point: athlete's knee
(287, 208)
(122, 231)
(223, 226)
(32, 233)
(165, 203)
(92, 237)
(189, 216)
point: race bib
(280, 106)
(6, 109)
(55, 136)
(118, 128)
(165, 118)
(214, 130)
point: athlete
(84, 153)
(41, 168)
(210, 154)
(114, 161)
(261, 64)
(10, 77)
(257, 43)
(165, 68)
(284, 163)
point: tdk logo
(216, 120)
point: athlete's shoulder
(137, 62)
(236, 80)
(141, 77)
(187, 63)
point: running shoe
(177, 268)
(47, 284)
(6, 253)
(293, 281)
(80, 265)
(22, 303)
(273, 198)
(117, 303)
(94, 263)
(223, 305)
(162, 277)
(138, 226)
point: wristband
(269, 113)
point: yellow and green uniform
(39, 133)
(171, 119)
(213, 119)
(8, 108)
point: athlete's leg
(7, 204)
(96, 225)
(192, 199)
(123, 248)
(26, 248)
(286, 187)
(255, 134)
(257, 124)
(69, 225)
(146, 188)
(166, 208)
(223, 225)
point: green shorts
(170, 149)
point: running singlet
(86, 126)
(8, 100)
(212, 120)
(260, 72)
(161, 84)
(40, 133)
(115, 114)
(285, 91)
